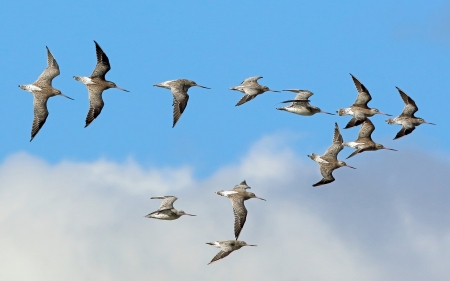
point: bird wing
(240, 214)
(355, 152)
(366, 130)
(180, 100)
(167, 202)
(331, 154)
(160, 214)
(405, 130)
(242, 186)
(40, 114)
(95, 104)
(219, 256)
(353, 122)
(301, 94)
(52, 70)
(103, 65)
(363, 94)
(410, 106)
(250, 80)
(327, 174)
(250, 93)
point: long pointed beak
(350, 167)
(203, 87)
(390, 149)
(190, 215)
(273, 91)
(382, 113)
(122, 89)
(326, 112)
(251, 245)
(429, 123)
(66, 96)
(260, 198)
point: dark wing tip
(323, 182)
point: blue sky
(311, 45)
(292, 44)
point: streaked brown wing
(240, 214)
(354, 153)
(366, 130)
(52, 70)
(242, 186)
(250, 93)
(95, 104)
(103, 65)
(301, 94)
(410, 106)
(327, 175)
(363, 94)
(253, 79)
(179, 105)
(405, 131)
(353, 122)
(219, 256)
(40, 114)
(300, 104)
(331, 154)
(167, 202)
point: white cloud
(85, 221)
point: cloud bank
(387, 220)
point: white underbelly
(300, 111)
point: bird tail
(221, 193)
(313, 156)
(281, 108)
(390, 121)
(83, 79)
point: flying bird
(166, 211)
(300, 104)
(226, 248)
(179, 90)
(251, 89)
(359, 110)
(407, 118)
(96, 84)
(42, 90)
(237, 196)
(328, 162)
(364, 141)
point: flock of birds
(42, 90)
(237, 196)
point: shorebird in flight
(42, 90)
(166, 211)
(364, 141)
(359, 110)
(226, 248)
(300, 104)
(328, 162)
(96, 84)
(237, 196)
(179, 90)
(407, 118)
(251, 89)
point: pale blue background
(293, 44)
